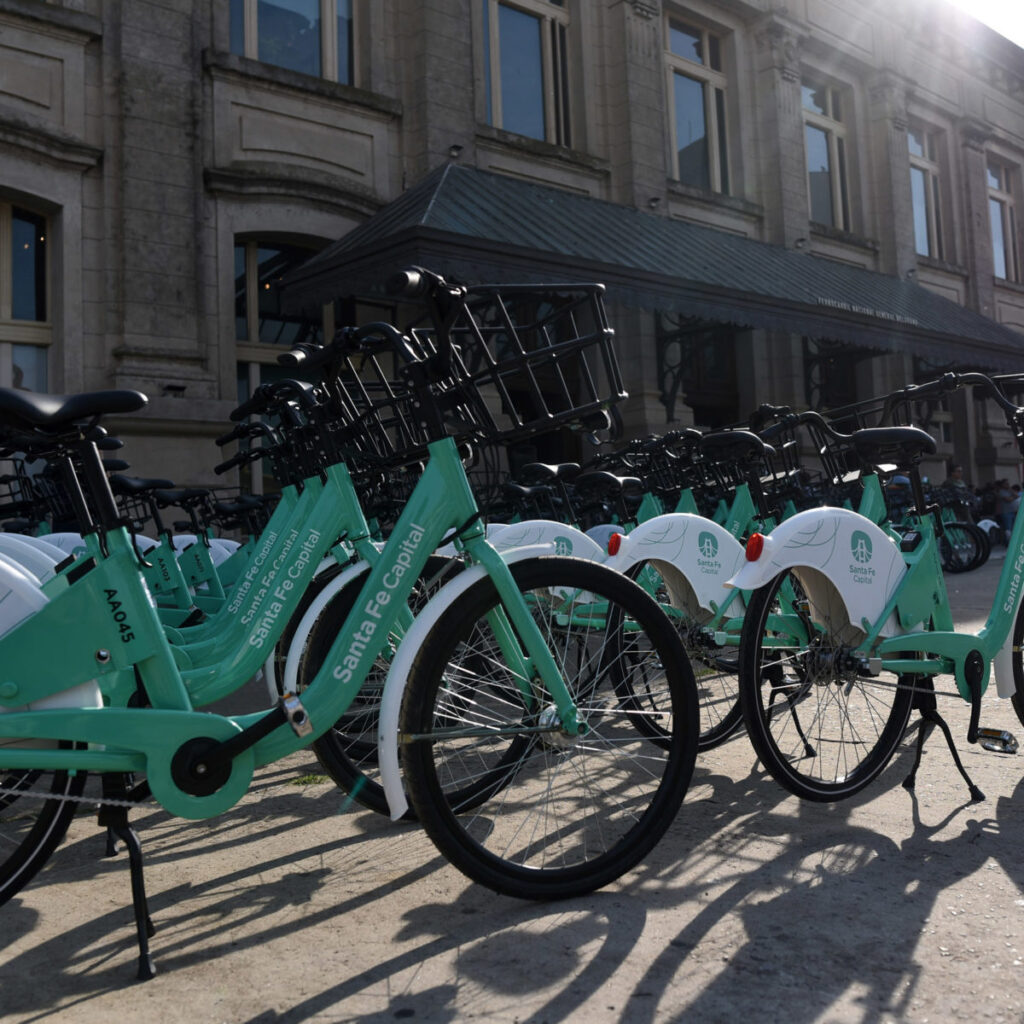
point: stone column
(895, 212)
(783, 170)
(636, 116)
(974, 135)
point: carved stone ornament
(782, 42)
(646, 9)
(975, 134)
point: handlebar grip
(235, 434)
(409, 283)
(241, 459)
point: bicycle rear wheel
(822, 726)
(508, 796)
(34, 815)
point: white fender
(856, 556)
(21, 597)
(558, 538)
(37, 560)
(697, 557)
(449, 550)
(398, 674)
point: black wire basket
(523, 360)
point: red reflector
(755, 545)
(614, 543)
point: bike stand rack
(924, 701)
(115, 819)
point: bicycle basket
(527, 359)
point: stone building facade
(165, 163)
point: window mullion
(548, 79)
(711, 123)
(252, 30)
(328, 40)
(495, 69)
(252, 292)
(6, 270)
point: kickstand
(115, 820)
(924, 701)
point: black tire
(960, 547)
(823, 728)
(31, 825)
(715, 667)
(348, 750)
(550, 815)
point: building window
(262, 328)
(1002, 215)
(25, 328)
(697, 103)
(311, 36)
(925, 195)
(526, 68)
(825, 144)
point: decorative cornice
(302, 184)
(55, 147)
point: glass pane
(819, 175)
(995, 216)
(289, 32)
(815, 98)
(995, 177)
(714, 53)
(241, 315)
(238, 27)
(28, 265)
(685, 41)
(276, 327)
(844, 196)
(915, 141)
(29, 367)
(691, 132)
(522, 77)
(345, 41)
(919, 197)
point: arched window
(25, 300)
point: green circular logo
(708, 545)
(563, 546)
(860, 547)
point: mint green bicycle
(522, 760)
(859, 648)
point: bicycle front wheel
(36, 808)
(509, 796)
(820, 723)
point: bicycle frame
(149, 739)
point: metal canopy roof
(485, 228)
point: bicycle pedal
(998, 740)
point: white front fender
(398, 674)
(858, 558)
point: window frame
(554, 61)
(14, 333)
(713, 81)
(930, 166)
(329, 62)
(1003, 195)
(837, 140)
